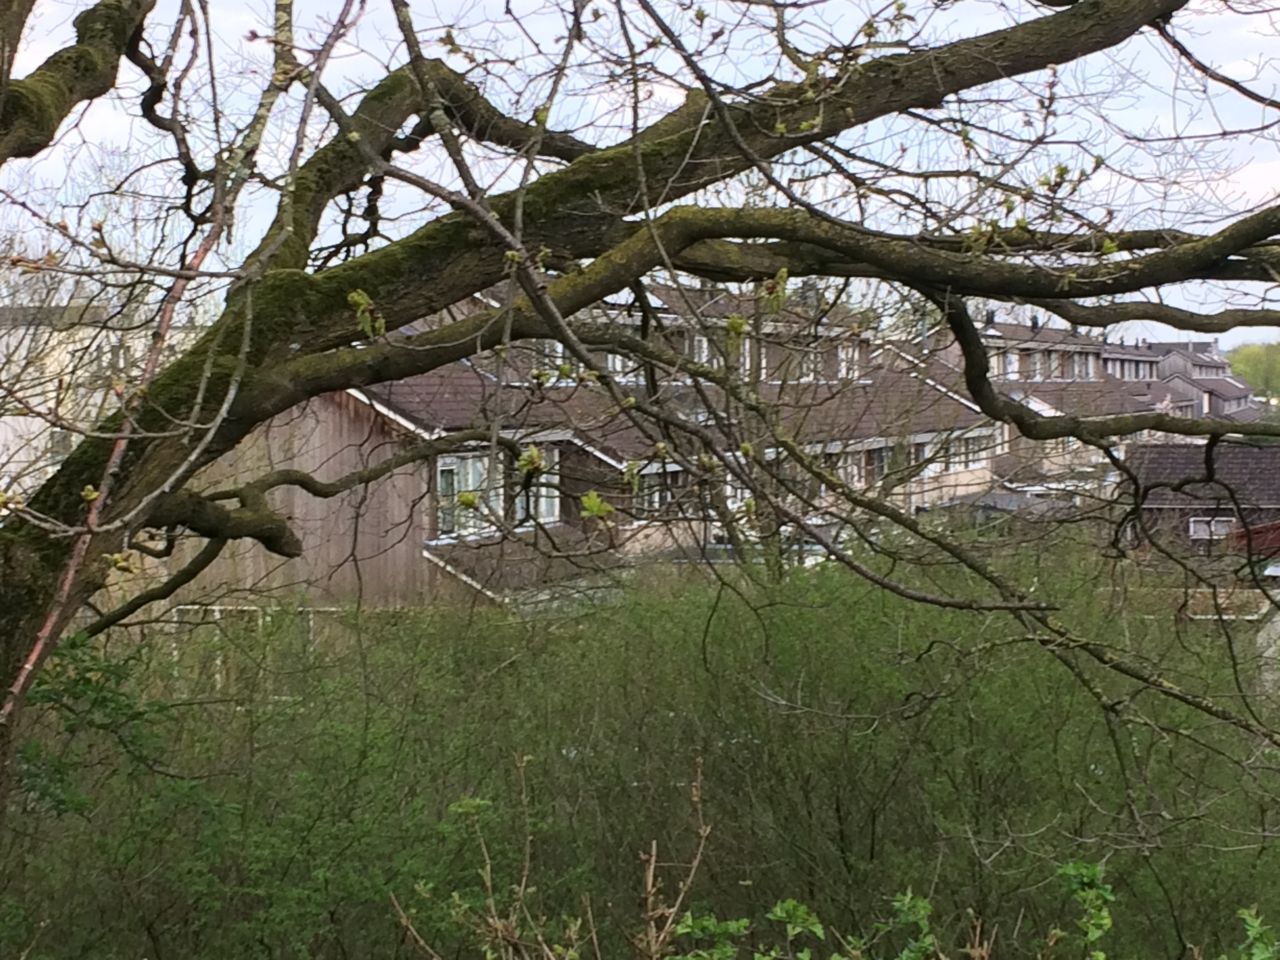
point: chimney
(991, 320)
(1035, 322)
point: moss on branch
(35, 106)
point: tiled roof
(1083, 398)
(1131, 351)
(55, 317)
(716, 303)
(1229, 388)
(891, 404)
(1250, 414)
(1105, 396)
(1205, 348)
(1023, 333)
(1178, 474)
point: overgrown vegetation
(229, 791)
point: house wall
(361, 546)
(940, 486)
(60, 374)
(1170, 527)
(23, 453)
(1175, 363)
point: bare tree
(561, 154)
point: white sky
(1153, 96)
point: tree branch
(35, 106)
(208, 553)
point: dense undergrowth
(264, 790)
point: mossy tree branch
(36, 106)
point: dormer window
(848, 360)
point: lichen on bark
(35, 106)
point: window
(1209, 528)
(1082, 366)
(967, 453)
(705, 353)
(622, 367)
(107, 363)
(809, 363)
(847, 360)
(657, 491)
(1032, 365)
(540, 500)
(850, 469)
(875, 463)
(466, 499)
(736, 493)
(549, 356)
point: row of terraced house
(881, 415)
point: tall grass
(262, 792)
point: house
(1053, 371)
(1204, 498)
(559, 479)
(1184, 378)
(62, 369)
(610, 488)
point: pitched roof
(1229, 388)
(1042, 334)
(1180, 475)
(1131, 351)
(891, 403)
(717, 303)
(1082, 398)
(1250, 414)
(56, 317)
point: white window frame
(1035, 364)
(1209, 528)
(549, 356)
(700, 346)
(658, 489)
(543, 494)
(875, 463)
(968, 453)
(622, 367)
(471, 473)
(736, 493)
(850, 470)
(848, 364)
(810, 364)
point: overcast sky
(1158, 97)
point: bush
(264, 789)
